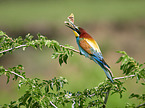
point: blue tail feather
(108, 74)
(104, 67)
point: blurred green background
(115, 25)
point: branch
(73, 104)
(49, 101)
(12, 48)
(140, 105)
(70, 48)
(106, 98)
(26, 45)
(123, 77)
(53, 104)
(16, 74)
(66, 48)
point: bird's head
(75, 28)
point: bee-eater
(88, 46)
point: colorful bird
(88, 46)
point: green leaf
(133, 95)
(29, 37)
(2, 39)
(71, 53)
(122, 52)
(143, 83)
(119, 60)
(2, 70)
(60, 59)
(2, 33)
(138, 77)
(129, 69)
(51, 85)
(54, 55)
(47, 43)
(30, 100)
(55, 44)
(140, 65)
(20, 67)
(8, 77)
(58, 87)
(61, 84)
(125, 59)
(65, 57)
(46, 89)
(124, 88)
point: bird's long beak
(73, 27)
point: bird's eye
(77, 30)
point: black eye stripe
(77, 30)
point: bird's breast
(84, 44)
